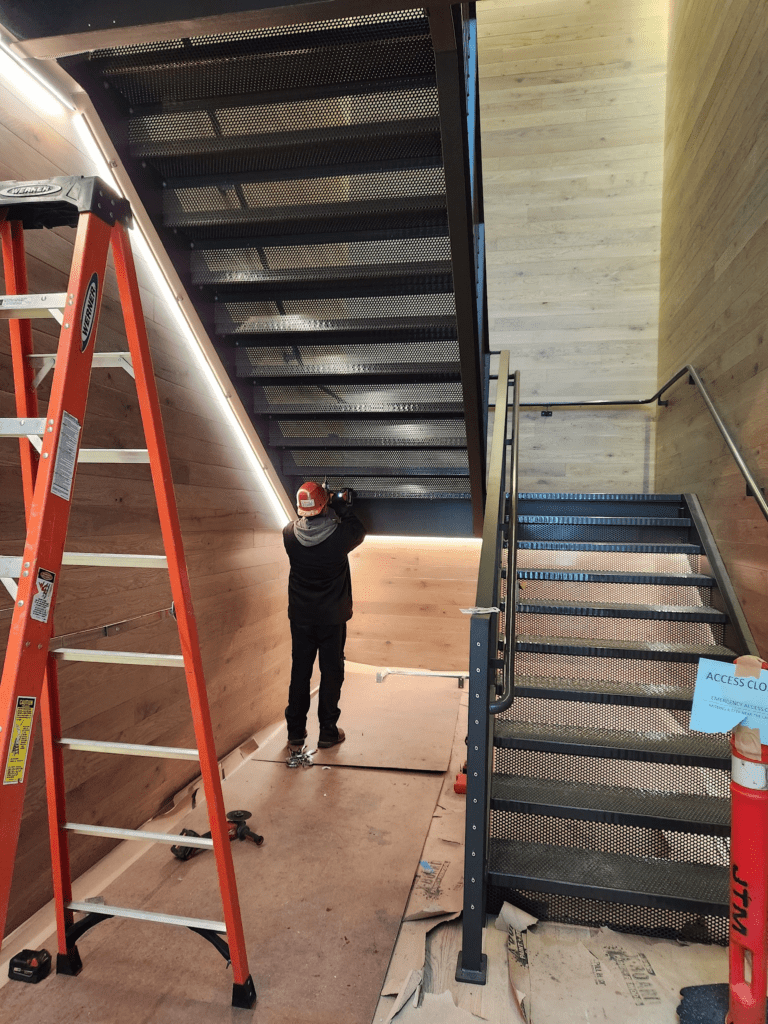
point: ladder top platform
(58, 202)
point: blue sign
(723, 700)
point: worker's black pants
(306, 643)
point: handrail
(505, 700)
(753, 489)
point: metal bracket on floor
(382, 674)
(301, 758)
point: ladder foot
(69, 962)
(244, 996)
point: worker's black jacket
(319, 584)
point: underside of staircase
(316, 186)
(605, 808)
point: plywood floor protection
(322, 900)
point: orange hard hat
(311, 499)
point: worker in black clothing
(319, 605)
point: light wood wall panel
(407, 599)
(714, 310)
(572, 114)
(237, 564)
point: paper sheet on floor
(409, 951)
(579, 974)
(436, 1010)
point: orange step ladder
(50, 451)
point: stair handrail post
(484, 665)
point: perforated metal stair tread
(597, 498)
(635, 578)
(640, 881)
(249, 275)
(638, 547)
(628, 649)
(567, 520)
(616, 804)
(703, 750)
(600, 691)
(675, 613)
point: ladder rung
(10, 565)
(113, 455)
(31, 307)
(146, 915)
(100, 359)
(132, 833)
(133, 749)
(119, 657)
(22, 427)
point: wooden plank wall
(407, 598)
(572, 113)
(714, 304)
(234, 550)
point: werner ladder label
(21, 733)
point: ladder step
(132, 833)
(22, 427)
(119, 657)
(100, 359)
(132, 749)
(32, 307)
(129, 455)
(10, 565)
(146, 915)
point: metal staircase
(589, 800)
(296, 176)
(605, 809)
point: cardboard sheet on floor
(579, 974)
(404, 722)
(322, 902)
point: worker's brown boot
(328, 739)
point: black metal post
(484, 665)
(455, 71)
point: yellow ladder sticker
(21, 736)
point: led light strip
(42, 91)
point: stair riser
(543, 507)
(604, 533)
(569, 908)
(570, 666)
(643, 775)
(588, 715)
(607, 561)
(638, 699)
(613, 593)
(586, 830)
(597, 627)
(566, 747)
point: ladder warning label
(21, 736)
(42, 599)
(66, 457)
